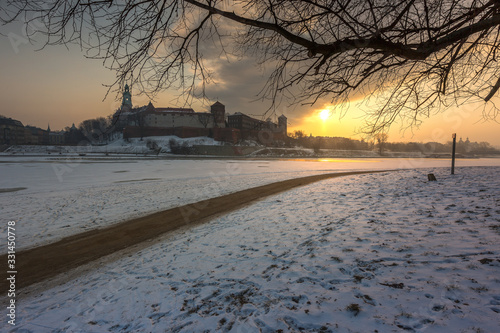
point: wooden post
(454, 136)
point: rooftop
(169, 109)
(10, 122)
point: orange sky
(59, 87)
(465, 121)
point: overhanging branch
(414, 52)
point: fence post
(454, 136)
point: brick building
(166, 117)
(185, 122)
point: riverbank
(385, 252)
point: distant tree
(95, 130)
(73, 135)
(381, 139)
(138, 119)
(299, 137)
(317, 142)
(347, 144)
(204, 119)
(362, 145)
(86, 127)
(176, 147)
(126, 137)
(298, 134)
(416, 56)
(114, 126)
(461, 146)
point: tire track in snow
(40, 263)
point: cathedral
(167, 117)
(149, 120)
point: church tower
(127, 99)
(219, 112)
(282, 124)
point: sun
(324, 114)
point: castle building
(282, 124)
(126, 99)
(218, 110)
(243, 122)
(149, 120)
(167, 117)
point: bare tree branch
(415, 56)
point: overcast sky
(60, 87)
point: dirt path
(40, 263)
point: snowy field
(59, 197)
(118, 146)
(387, 252)
(53, 197)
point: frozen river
(37, 174)
(375, 252)
(51, 198)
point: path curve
(43, 262)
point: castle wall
(179, 119)
(219, 112)
(231, 135)
(181, 132)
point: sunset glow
(60, 87)
(249, 166)
(324, 114)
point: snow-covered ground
(385, 252)
(118, 146)
(52, 197)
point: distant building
(126, 99)
(283, 124)
(149, 120)
(178, 117)
(57, 138)
(218, 110)
(243, 122)
(11, 131)
(35, 135)
(166, 117)
(73, 136)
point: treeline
(463, 147)
(298, 138)
(381, 144)
(96, 130)
(102, 130)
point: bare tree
(299, 134)
(412, 56)
(204, 119)
(95, 130)
(381, 139)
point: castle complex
(185, 122)
(149, 120)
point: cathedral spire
(127, 98)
